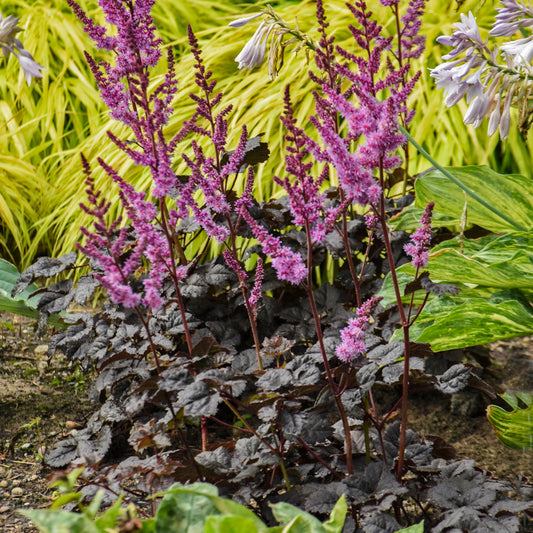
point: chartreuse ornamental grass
(48, 125)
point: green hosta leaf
(469, 319)
(417, 528)
(184, 509)
(514, 428)
(229, 524)
(504, 261)
(299, 521)
(337, 517)
(108, 519)
(22, 304)
(58, 521)
(511, 194)
(496, 276)
(409, 219)
(296, 520)
(387, 290)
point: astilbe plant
(184, 395)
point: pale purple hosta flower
(521, 50)
(418, 248)
(460, 77)
(512, 17)
(8, 30)
(243, 21)
(29, 66)
(353, 335)
(465, 38)
(11, 45)
(272, 25)
(480, 77)
(254, 50)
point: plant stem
(266, 443)
(346, 242)
(331, 380)
(405, 327)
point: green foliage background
(45, 127)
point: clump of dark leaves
(267, 431)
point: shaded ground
(39, 403)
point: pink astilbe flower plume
(289, 265)
(106, 244)
(372, 107)
(306, 201)
(353, 335)
(124, 84)
(418, 248)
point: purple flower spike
(289, 265)
(418, 248)
(352, 336)
(306, 201)
(256, 291)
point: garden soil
(41, 402)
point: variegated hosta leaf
(514, 428)
(511, 194)
(468, 319)
(21, 304)
(503, 261)
(496, 273)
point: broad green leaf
(409, 219)
(468, 319)
(511, 193)
(495, 277)
(8, 277)
(416, 528)
(185, 511)
(59, 521)
(63, 499)
(229, 524)
(514, 428)
(300, 525)
(108, 519)
(504, 261)
(387, 290)
(148, 526)
(337, 517)
(188, 499)
(21, 304)
(297, 520)
(91, 510)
